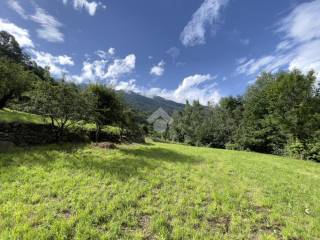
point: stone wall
(25, 134)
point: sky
(177, 49)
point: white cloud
(15, 5)
(111, 51)
(128, 86)
(194, 32)
(21, 35)
(102, 54)
(121, 67)
(302, 24)
(56, 63)
(299, 46)
(106, 54)
(158, 69)
(196, 87)
(49, 29)
(90, 7)
(100, 71)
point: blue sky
(178, 49)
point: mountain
(149, 105)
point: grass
(8, 115)
(156, 191)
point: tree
(188, 124)
(63, 103)
(279, 107)
(14, 80)
(10, 48)
(107, 107)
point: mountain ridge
(149, 105)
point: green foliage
(313, 152)
(277, 108)
(156, 191)
(64, 104)
(10, 48)
(296, 149)
(14, 80)
(188, 124)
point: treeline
(278, 114)
(28, 87)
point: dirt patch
(261, 209)
(66, 213)
(144, 224)
(221, 223)
(105, 145)
(263, 226)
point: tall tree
(14, 80)
(10, 48)
(107, 106)
(63, 103)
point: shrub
(295, 149)
(313, 151)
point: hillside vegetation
(156, 191)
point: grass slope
(7, 115)
(156, 191)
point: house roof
(160, 113)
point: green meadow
(156, 191)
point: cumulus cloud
(206, 16)
(49, 26)
(104, 72)
(299, 46)
(90, 7)
(91, 72)
(121, 67)
(111, 51)
(55, 63)
(158, 69)
(197, 87)
(22, 35)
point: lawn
(156, 191)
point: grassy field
(156, 191)
(8, 115)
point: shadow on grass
(128, 163)
(161, 154)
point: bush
(313, 151)
(295, 149)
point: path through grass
(156, 191)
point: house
(160, 120)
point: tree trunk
(98, 129)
